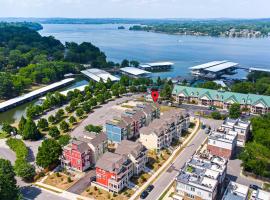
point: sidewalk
(167, 163)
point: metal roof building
(133, 71)
(97, 74)
(207, 65)
(221, 67)
(258, 69)
(31, 95)
(156, 65)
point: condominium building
(129, 124)
(241, 127)
(192, 183)
(222, 144)
(136, 152)
(160, 133)
(113, 171)
(258, 104)
(236, 191)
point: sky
(136, 8)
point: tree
(216, 115)
(125, 63)
(159, 81)
(48, 153)
(124, 80)
(30, 131)
(63, 140)
(86, 107)
(64, 126)
(54, 132)
(22, 123)
(72, 119)
(59, 114)
(122, 90)
(8, 188)
(7, 128)
(235, 111)
(100, 98)
(42, 123)
(51, 119)
(166, 92)
(24, 170)
(93, 128)
(134, 63)
(79, 112)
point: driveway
(83, 183)
(32, 192)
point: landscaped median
(168, 162)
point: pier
(134, 72)
(98, 74)
(214, 69)
(34, 94)
(156, 66)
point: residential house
(117, 130)
(76, 155)
(236, 191)
(241, 127)
(113, 171)
(257, 104)
(136, 152)
(222, 144)
(98, 144)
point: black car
(149, 188)
(144, 194)
(254, 187)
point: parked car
(254, 187)
(212, 108)
(144, 194)
(203, 126)
(253, 195)
(207, 131)
(149, 188)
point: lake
(184, 51)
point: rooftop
(228, 137)
(111, 161)
(156, 64)
(97, 74)
(207, 65)
(134, 71)
(34, 93)
(263, 195)
(235, 191)
(221, 67)
(129, 147)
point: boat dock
(156, 66)
(134, 72)
(214, 69)
(98, 74)
(34, 94)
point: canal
(14, 115)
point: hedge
(18, 147)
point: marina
(134, 72)
(156, 66)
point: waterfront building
(156, 66)
(134, 72)
(236, 191)
(222, 144)
(257, 104)
(241, 127)
(160, 133)
(99, 74)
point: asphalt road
(32, 192)
(165, 179)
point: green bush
(18, 147)
(216, 115)
(24, 170)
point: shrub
(63, 140)
(24, 170)
(18, 147)
(92, 128)
(216, 115)
(69, 180)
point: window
(190, 196)
(192, 189)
